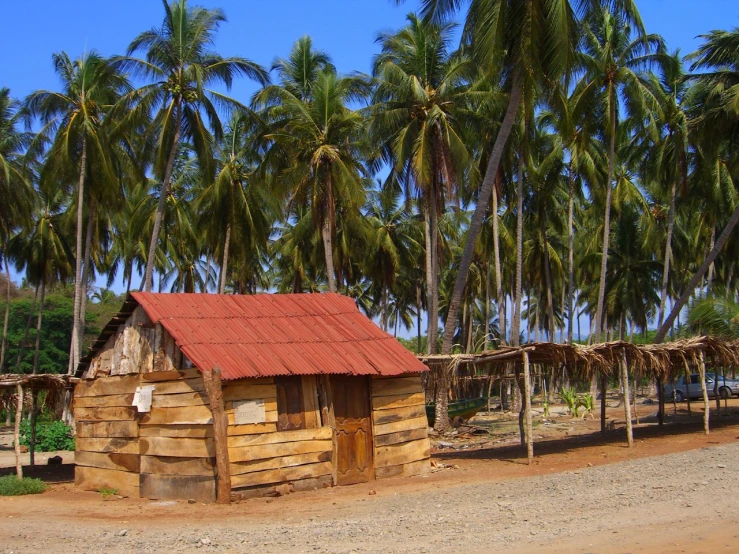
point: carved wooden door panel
(350, 397)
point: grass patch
(107, 492)
(10, 485)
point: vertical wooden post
(660, 401)
(328, 417)
(706, 406)
(17, 430)
(627, 403)
(214, 390)
(636, 414)
(688, 382)
(527, 407)
(603, 404)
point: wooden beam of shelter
(214, 390)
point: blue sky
(262, 30)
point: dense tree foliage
(557, 162)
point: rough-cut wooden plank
(269, 416)
(320, 433)
(405, 425)
(185, 431)
(108, 460)
(245, 390)
(115, 400)
(102, 429)
(178, 447)
(309, 471)
(172, 465)
(311, 414)
(179, 386)
(93, 479)
(401, 436)
(178, 487)
(178, 400)
(398, 414)
(107, 444)
(397, 454)
(251, 429)
(157, 376)
(107, 386)
(404, 470)
(396, 386)
(398, 401)
(311, 484)
(173, 416)
(119, 413)
(281, 462)
(249, 453)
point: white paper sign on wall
(142, 398)
(249, 411)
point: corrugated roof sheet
(277, 334)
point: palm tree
(314, 151)
(717, 89)
(234, 202)
(420, 85)
(15, 190)
(180, 66)
(75, 117)
(612, 61)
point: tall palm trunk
(7, 312)
(34, 394)
(74, 351)
(430, 328)
(712, 255)
(496, 255)
(548, 277)
(86, 264)
(487, 305)
(384, 307)
(516, 323)
(328, 247)
(570, 255)
(606, 222)
(149, 274)
(711, 268)
(224, 266)
(481, 208)
(418, 315)
(668, 253)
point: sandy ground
(677, 490)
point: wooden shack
(209, 397)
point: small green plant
(569, 397)
(10, 485)
(107, 492)
(587, 402)
(50, 437)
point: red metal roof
(277, 334)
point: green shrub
(52, 436)
(10, 485)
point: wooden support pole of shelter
(214, 390)
(688, 382)
(527, 405)
(603, 403)
(706, 405)
(328, 417)
(627, 403)
(17, 430)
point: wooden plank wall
(176, 439)
(399, 427)
(107, 445)
(138, 346)
(261, 457)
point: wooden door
(350, 397)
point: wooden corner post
(214, 390)
(17, 430)
(527, 408)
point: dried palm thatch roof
(659, 360)
(44, 381)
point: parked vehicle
(726, 387)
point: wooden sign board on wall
(249, 411)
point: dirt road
(681, 501)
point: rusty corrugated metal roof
(277, 334)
